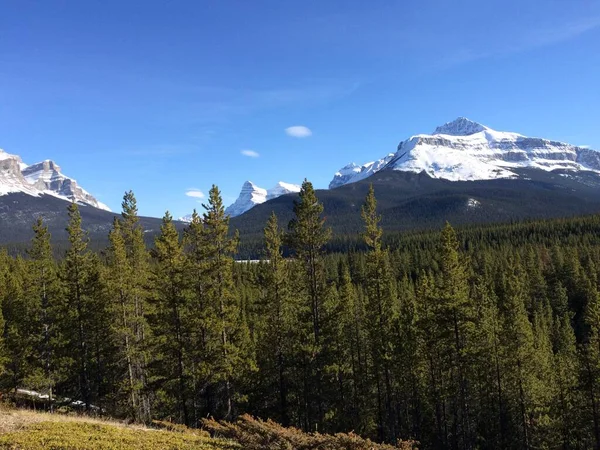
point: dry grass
(28, 430)
(16, 419)
(255, 434)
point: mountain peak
(460, 127)
(46, 165)
(282, 188)
(352, 172)
(41, 178)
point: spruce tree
(381, 310)
(235, 348)
(123, 312)
(18, 329)
(273, 352)
(205, 352)
(590, 365)
(45, 296)
(307, 236)
(135, 307)
(80, 281)
(454, 323)
(518, 348)
(170, 318)
(567, 402)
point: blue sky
(166, 96)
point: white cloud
(250, 153)
(194, 193)
(298, 131)
(584, 146)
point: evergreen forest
(486, 337)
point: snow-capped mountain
(353, 172)
(252, 195)
(42, 178)
(282, 188)
(464, 150)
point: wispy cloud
(194, 193)
(250, 153)
(531, 39)
(298, 131)
(548, 36)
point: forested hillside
(485, 337)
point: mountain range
(461, 150)
(464, 150)
(464, 172)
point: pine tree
(205, 352)
(236, 351)
(518, 347)
(544, 388)
(381, 310)
(351, 354)
(44, 294)
(79, 278)
(487, 371)
(170, 324)
(274, 352)
(307, 236)
(17, 331)
(123, 311)
(455, 324)
(135, 307)
(4, 261)
(567, 401)
(590, 364)
(407, 363)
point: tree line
(485, 339)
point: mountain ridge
(42, 178)
(463, 150)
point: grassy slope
(26, 430)
(29, 430)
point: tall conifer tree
(307, 236)
(381, 310)
(171, 318)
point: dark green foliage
(479, 337)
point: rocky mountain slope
(43, 178)
(464, 150)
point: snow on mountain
(353, 172)
(460, 127)
(11, 178)
(41, 178)
(466, 150)
(282, 188)
(250, 196)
